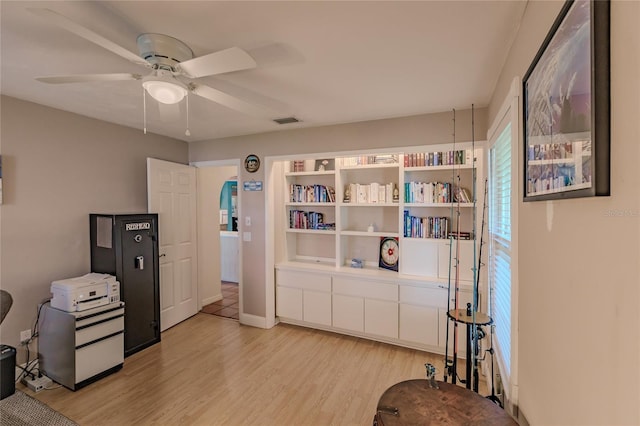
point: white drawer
(90, 319)
(304, 280)
(423, 296)
(367, 289)
(96, 331)
(98, 357)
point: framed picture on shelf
(567, 108)
(325, 164)
(389, 253)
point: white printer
(85, 292)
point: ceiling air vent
(286, 120)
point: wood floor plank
(210, 370)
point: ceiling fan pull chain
(144, 110)
(188, 133)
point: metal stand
(472, 320)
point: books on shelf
(361, 160)
(434, 193)
(297, 166)
(439, 158)
(370, 193)
(311, 194)
(300, 219)
(461, 194)
(426, 227)
(460, 235)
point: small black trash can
(7, 371)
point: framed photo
(325, 164)
(566, 107)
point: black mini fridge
(126, 245)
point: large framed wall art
(567, 107)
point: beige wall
(579, 276)
(398, 132)
(57, 168)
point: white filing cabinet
(78, 348)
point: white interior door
(171, 192)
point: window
(500, 242)
(502, 260)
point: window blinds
(500, 243)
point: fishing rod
(475, 329)
(450, 365)
(478, 332)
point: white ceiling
(322, 62)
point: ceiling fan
(172, 67)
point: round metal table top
(460, 315)
(414, 402)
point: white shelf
(314, 204)
(311, 173)
(449, 168)
(447, 205)
(350, 239)
(369, 205)
(371, 166)
(369, 234)
(430, 239)
(311, 231)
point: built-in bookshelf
(338, 209)
(336, 213)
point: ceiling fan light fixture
(167, 92)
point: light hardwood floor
(213, 371)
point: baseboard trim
(210, 300)
(253, 320)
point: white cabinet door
(381, 318)
(462, 334)
(464, 298)
(317, 307)
(348, 312)
(419, 324)
(289, 302)
(464, 255)
(419, 256)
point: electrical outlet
(25, 335)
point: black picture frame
(325, 164)
(566, 107)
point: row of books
(299, 219)
(297, 166)
(461, 235)
(370, 193)
(361, 160)
(426, 227)
(434, 192)
(439, 158)
(311, 194)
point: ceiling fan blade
(77, 29)
(232, 59)
(234, 103)
(85, 78)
